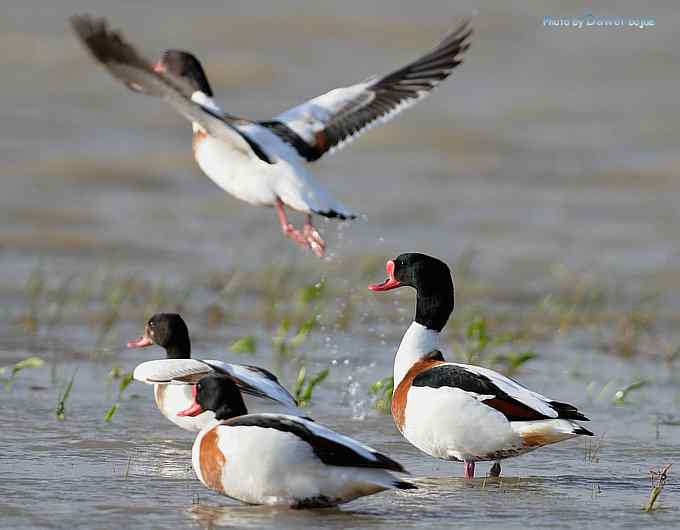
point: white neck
(416, 343)
(206, 102)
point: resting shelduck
(174, 378)
(265, 163)
(277, 459)
(458, 411)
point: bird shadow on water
(247, 516)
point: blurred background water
(545, 170)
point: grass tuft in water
(591, 449)
(479, 345)
(620, 396)
(60, 411)
(244, 345)
(510, 363)
(658, 478)
(125, 381)
(382, 391)
(28, 362)
(286, 346)
(304, 387)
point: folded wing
(329, 446)
(495, 390)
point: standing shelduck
(277, 459)
(174, 378)
(265, 163)
(458, 411)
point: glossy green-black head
(169, 331)
(432, 280)
(185, 65)
(219, 394)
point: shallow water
(549, 159)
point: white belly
(235, 171)
(450, 424)
(172, 399)
(267, 466)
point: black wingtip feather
(403, 485)
(566, 411)
(583, 431)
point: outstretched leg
(314, 240)
(495, 470)
(469, 469)
(288, 229)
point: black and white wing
(330, 447)
(506, 395)
(251, 380)
(255, 381)
(328, 122)
(123, 62)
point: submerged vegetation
(658, 479)
(60, 411)
(28, 362)
(304, 386)
(292, 325)
(125, 380)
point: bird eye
(151, 323)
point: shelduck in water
(174, 378)
(458, 411)
(265, 163)
(278, 459)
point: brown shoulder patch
(515, 411)
(400, 396)
(212, 461)
(321, 141)
(199, 136)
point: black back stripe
(329, 451)
(288, 135)
(447, 375)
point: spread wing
(515, 401)
(250, 380)
(328, 122)
(121, 59)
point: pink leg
(288, 229)
(495, 470)
(469, 469)
(314, 240)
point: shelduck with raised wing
(264, 163)
(173, 378)
(277, 459)
(458, 411)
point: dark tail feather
(332, 214)
(403, 485)
(581, 430)
(566, 411)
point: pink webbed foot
(314, 239)
(469, 470)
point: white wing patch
(170, 371)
